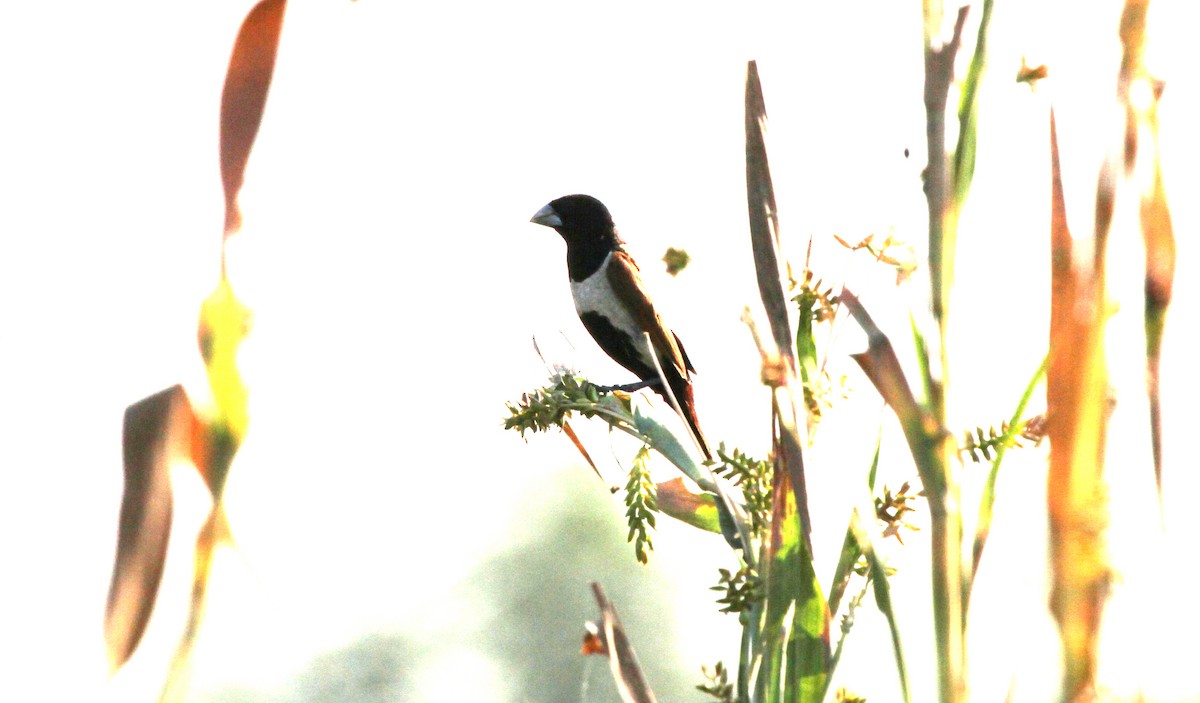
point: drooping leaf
(251, 66)
(931, 448)
(696, 509)
(733, 519)
(157, 432)
(664, 442)
(570, 433)
(882, 367)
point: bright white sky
(396, 284)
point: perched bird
(613, 304)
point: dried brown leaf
(764, 217)
(158, 431)
(244, 98)
(1076, 386)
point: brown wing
(627, 284)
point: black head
(577, 218)
(587, 227)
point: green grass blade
(968, 112)
(883, 600)
(923, 363)
(851, 550)
(931, 448)
(987, 501)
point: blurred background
(393, 542)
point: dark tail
(682, 388)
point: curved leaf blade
(247, 81)
(158, 431)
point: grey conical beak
(546, 216)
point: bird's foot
(628, 387)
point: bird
(613, 304)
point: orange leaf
(246, 83)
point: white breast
(595, 294)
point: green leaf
(794, 653)
(851, 550)
(642, 502)
(883, 600)
(988, 499)
(696, 509)
(664, 442)
(968, 112)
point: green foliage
(717, 683)
(793, 658)
(816, 303)
(551, 405)
(753, 477)
(786, 619)
(742, 589)
(641, 505)
(847, 622)
(1033, 429)
(968, 111)
(984, 445)
(815, 299)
